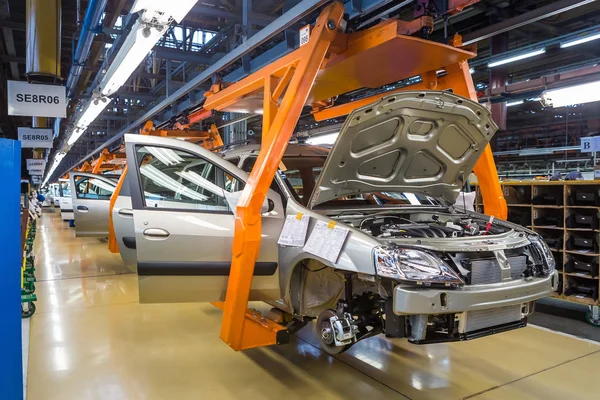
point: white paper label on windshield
(326, 240)
(294, 230)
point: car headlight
(544, 250)
(415, 266)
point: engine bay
(423, 225)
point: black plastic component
(548, 199)
(282, 337)
(395, 326)
(555, 242)
(548, 220)
(475, 334)
(587, 264)
(129, 242)
(582, 221)
(582, 243)
(584, 197)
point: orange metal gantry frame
(329, 64)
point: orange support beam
(239, 330)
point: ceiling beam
(524, 19)
(180, 55)
(285, 21)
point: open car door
(183, 199)
(122, 216)
(91, 196)
(65, 203)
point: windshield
(65, 189)
(300, 173)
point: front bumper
(412, 301)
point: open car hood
(418, 142)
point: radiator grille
(488, 270)
(489, 318)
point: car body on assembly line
(410, 264)
(65, 202)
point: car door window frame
(81, 196)
(138, 200)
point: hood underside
(423, 142)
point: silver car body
(65, 201)
(184, 253)
(90, 194)
(424, 142)
(122, 215)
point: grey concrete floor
(564, 317)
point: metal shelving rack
(519, 196)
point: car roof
(293, 149)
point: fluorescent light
(136, 47)
(516, 58)
(173, 9)
(575, 42)
(156, 15)
(472, 70)
(94, 108)
(57, 159)
(323, 139)
(586, 93)
(514, 103)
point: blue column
(11, 361)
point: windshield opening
(65, 189)
(300, 174)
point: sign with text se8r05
(33, 100)
(32, 138)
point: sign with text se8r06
(33, 100)
(32, 138)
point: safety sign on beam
(34, 100)
(34, 163)
(35, 138)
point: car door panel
(122, 215)
(64, 201)
(184, 247)
(91, 197)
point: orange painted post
(100, 161)
(237, 330)
(485, 169)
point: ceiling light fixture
(323, 139)
(154, 20)
(580, 94)
(516, 58)
(514, 103)
(94, 108)
(584, 39)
